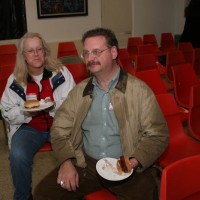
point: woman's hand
(52, 107)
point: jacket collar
(121, 84)
(46, 75)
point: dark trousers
(139, 186)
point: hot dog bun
(31, 104)
(123, 165)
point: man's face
(97, 55)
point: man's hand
(67, 176)
(134, 163)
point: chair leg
(5, 131)
(4, 128)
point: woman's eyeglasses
(34, 51)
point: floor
(43, 163)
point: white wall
(65, 28)
(157, 16)
(148, 16)
(179, 19)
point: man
(109, 115)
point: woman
(35, 76)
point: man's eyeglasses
(95, 53)
(33, 51)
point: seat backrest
(125, 61)
(132, 44)
(167, 41)
(145, 62)
(188, 51)
(174, 150)
(149, 39)
(46, 147)
(8, 49)
(8, 54)
(194, 112)
(67, 49)
(5, 72)
(180, 180)
(185, 46)
(167, 104)
(147, 49)
(153, 80)
(184, 78)
(134, 41)
(197, 61)
(102, 194)
(173, 58)
(78, 71)
(180, 144)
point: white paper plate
(106, 171)
(43, 106)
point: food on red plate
(123, 165)
(30, 104)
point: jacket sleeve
(63, 90)
(10, 106)
(153, 129)
(61, 131)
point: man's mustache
(93, 63)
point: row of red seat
(181, 146)
(166, 44)
(148, 44)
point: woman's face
(34, 54)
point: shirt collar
(112, 83)
(121, 83)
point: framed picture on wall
(61, 8)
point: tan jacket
(143, 130)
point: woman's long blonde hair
(21, 70)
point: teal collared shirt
(100, 127)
